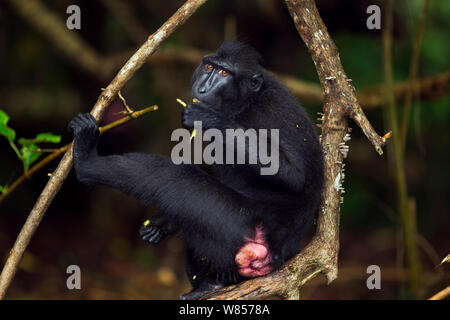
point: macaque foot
(200, 291)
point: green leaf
(47, 137)
(29, 156)
(6, 131)
(3, 117)
(25, 142)
(3, 189)
(40, 138)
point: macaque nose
(201, 89)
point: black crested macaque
(237, 223)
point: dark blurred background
(42, 88)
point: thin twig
(412, 75)
(407, 218)
(57, 152)
(446, 259)
(59, 175)
(441, 294)
(128, 109)
(46, 150)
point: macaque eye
(209, 67)
(223, 72)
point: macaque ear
(256, 82)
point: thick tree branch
(63, 169)
(321, 254)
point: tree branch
(63, 169)
(53, 28)
(441, 294)
(321, 254)
(123, 13)
(427, 88)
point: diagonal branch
(122, 12)
(53, 28)
(63, 169)
(321, 254)
(444, 293)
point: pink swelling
(253, 258)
